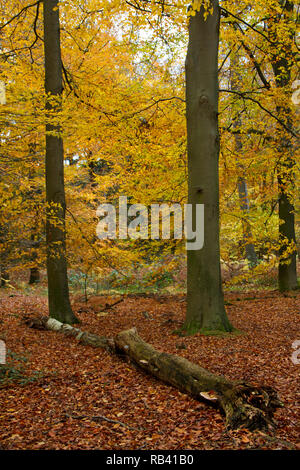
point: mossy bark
(243, 405)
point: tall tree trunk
(58, 289)
(282, 62)
(205, 300)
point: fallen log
(244, 405)
(86, 338)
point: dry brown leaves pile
(88, 399)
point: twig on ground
(103, 418)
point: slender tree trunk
(247, 233)
(34, 270)
(58, 290)
(205, 300)
(242, 183)
(4, 275)
(35, 234)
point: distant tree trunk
(34, 276)
(205, 300)
(35, 231)
(242, 183)
(282, 62)
(4, 277)
(34, 270)
(247, 233)
(58, 289)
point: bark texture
(205, 301)
(243, 405)
(58, 290)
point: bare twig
(103, 418)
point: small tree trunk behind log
(244, 405)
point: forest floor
(86, 398)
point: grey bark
(58, 290)
(205, 300)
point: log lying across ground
(244, 405)
(88, 339)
